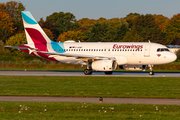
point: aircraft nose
(173, 57)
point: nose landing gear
(151, 70)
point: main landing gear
(151, 70)
(88, 71)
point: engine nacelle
(104, 65)
(133, 67)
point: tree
(17, 40)
(176, 41)
(98, 32)
(2, 49)
(6, 26)
(129, 37)
(63, 22)
(14, 9)
(145, 26)
(72, 35)
(172, 28)
(108, 30)
(130, 18)
(48, 25)
(161, 21)
(48, 33)
(84, 24)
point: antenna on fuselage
(149, 41)
(79, 41)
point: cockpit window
(162, 49)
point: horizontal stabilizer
(21, 48)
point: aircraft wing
(77, 56)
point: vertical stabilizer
(34, 33)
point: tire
(88, 71)
(108, 72)
(151, 73)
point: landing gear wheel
(108, 72)
(151, 70)
(88, 71)
(151, 73)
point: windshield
(162, 49)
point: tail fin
(34, 33)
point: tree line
(60, 26)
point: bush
(178, 55)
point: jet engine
(133, 67)
(104, 65)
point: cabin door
(147, 51)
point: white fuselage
(130, 53)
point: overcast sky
(94, 9)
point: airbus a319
(99, 56)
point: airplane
(98, 56)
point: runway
(77, 73)
(93, 100)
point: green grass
(54, 69)
(40, 69)
(55, 110)
(90, 86)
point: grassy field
(79, 69)
(77, 111)
(90, 86)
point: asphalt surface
(75, 73)
(93, 100)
